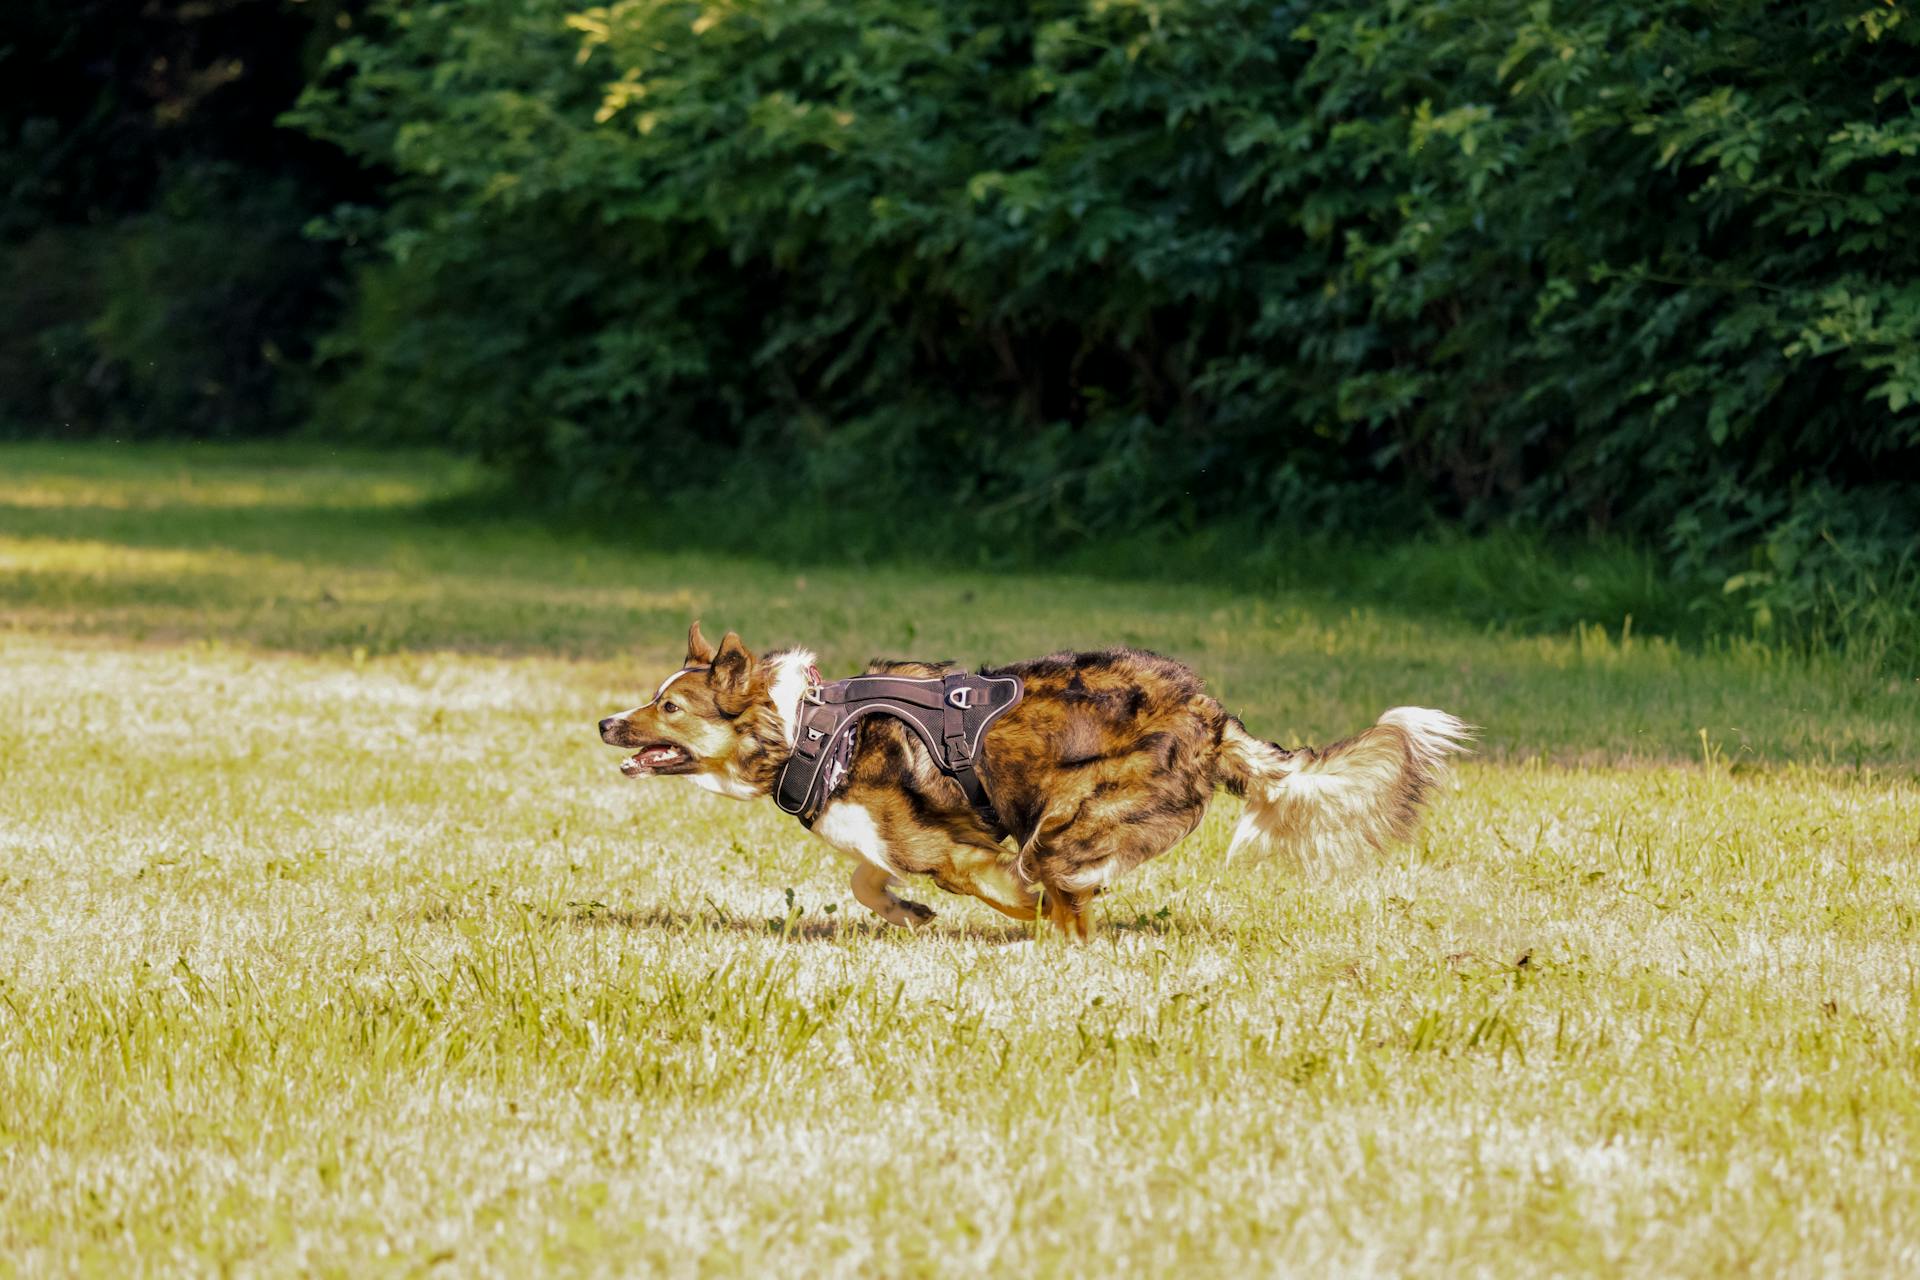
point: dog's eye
(671, 708)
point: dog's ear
(699, 652)
(732, 678)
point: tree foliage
(1637, 266)
(1593, 265)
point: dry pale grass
(345, 949)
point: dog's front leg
(871, 889)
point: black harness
(949, 713)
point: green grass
(335, 943)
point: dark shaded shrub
(151, 230)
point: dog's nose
(606, 726)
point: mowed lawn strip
(335, 941)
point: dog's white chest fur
(850, 828)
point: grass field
(334, 941)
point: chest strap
(949, 713)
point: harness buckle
(961, 697)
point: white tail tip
(1435, 735)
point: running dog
(1106, 760)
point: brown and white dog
(1108, 760)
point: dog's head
(712, 722)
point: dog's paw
(917, 913)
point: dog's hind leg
(1071, 913)
(872, 889)
(1067, 910)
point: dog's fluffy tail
(1326, 809)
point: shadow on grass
(461, 520)
(368, 561)
(811, 928)
(463, 572)
(800, 928)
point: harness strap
(950, 714)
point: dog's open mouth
(661, 757)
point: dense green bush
(1641, 268)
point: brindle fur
(1109, 760)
